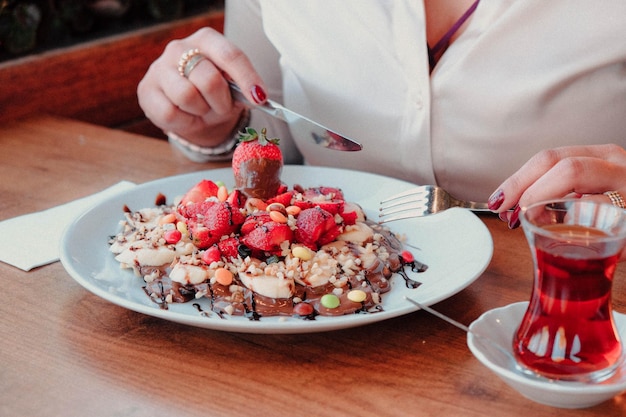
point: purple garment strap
(440, 47)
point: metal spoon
(513, 363)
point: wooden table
(66, 352)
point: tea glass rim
(528, 225)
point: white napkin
(35, 238)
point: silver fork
(422, 201)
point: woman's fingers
(575, 175)
(200, 97)
(167, 116)
(203, 89)
(232, 62)
(578, 171)
(212, 89)
(227, 62)
(558, 172)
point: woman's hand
(582, 171)
(199, 107)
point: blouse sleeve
(243, 25)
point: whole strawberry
(257, 164)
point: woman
(459, 93)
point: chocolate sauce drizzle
(416, 267)
(162, 287)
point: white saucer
(499, 324)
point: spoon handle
(463, 327)
(441, 316)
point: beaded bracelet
(221, 152)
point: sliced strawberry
(228, 247)
(201, 236)
(352, 213)
(200, 192)
(282, 198)
(316, 227)
(349, 217)
(221, 214)
(329, 193)
(218, 220)
(333, 207)
(268, 237)
(282, 189)
(195, 210)
(327, 198)
(329, 235)
(236, 199)
(212, 254)
(254, 220)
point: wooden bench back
(94, 82)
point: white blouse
(523, 76)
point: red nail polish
(496, 200)
(258, 94)
(514, 219)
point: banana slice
(269, 286)
(187, 274)
(357, 233)
(142, 253)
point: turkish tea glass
(568, 332)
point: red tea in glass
(568, 331)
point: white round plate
(499, 325)
(455, 244)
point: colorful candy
(172, 236)
(357, 296)
(330, 301)
(303, 309)
(407, 257)
(223, 276)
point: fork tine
(418, 205)
(401, 215)
(419, 200)
(414, 194)
(402, 212)
(407, 193)
(404, 205)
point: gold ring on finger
(616, 199)
(188, 61)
